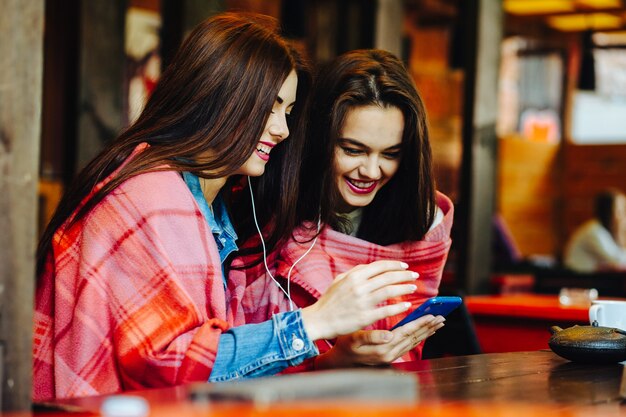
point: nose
(278, 126)
(370, 168)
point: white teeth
(264, 148)
(361, 184)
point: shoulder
(587, 236)
(157, 188)
(444, 216)
(589, 229)
(152, 213)
(160, 199)
(444, 204)
(160, 189)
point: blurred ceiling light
(531, 7)
(542, 7)
(599, 4)
(589, 21)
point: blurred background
(526, 102)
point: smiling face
(276, 129)
(367, 154)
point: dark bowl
(589, 344)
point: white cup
(608, 313)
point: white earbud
(256, 223)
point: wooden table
(505, 385)
(517, 323)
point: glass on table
(577, 296)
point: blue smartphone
(437, 306)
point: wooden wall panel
(528, 194)
(441, 89)
(587, 170)
(544, 194)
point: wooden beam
(21, 48)
(478, 166)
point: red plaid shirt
(335, 253)
(132, 295)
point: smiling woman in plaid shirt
(367, 193)
(130, 288)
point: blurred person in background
(600, 243)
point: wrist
(321, 362)
(326, 360)
(311, 324)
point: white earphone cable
(298, 260)
(256, 223)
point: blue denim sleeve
(254, 350)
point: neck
(354, 217)
(210, 187)
(343, 208)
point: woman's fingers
(367, 271)
(411, 334)
(375, 347)
(384, 279)
(423, 324)
(392, 291)
(389, 310)
(377, 283)
(354, 299)
(372, 337)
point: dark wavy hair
(213, 99)
(404, 208)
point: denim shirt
(251, 350)
(218, 219)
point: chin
(357, 203)
(256, 172)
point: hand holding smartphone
(437, 306)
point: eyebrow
(355, 142)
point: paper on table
(353, 384)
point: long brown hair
(404, 208)
(213, 99)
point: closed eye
(277, 104)
(392, 155)
(351, 151)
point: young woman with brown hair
(367, 193)
(130, 289)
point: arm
(126, 309)
(148, 253)
(167, 303)
(269, 347)
(351, 304)
(606, 250)
(262, 349)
